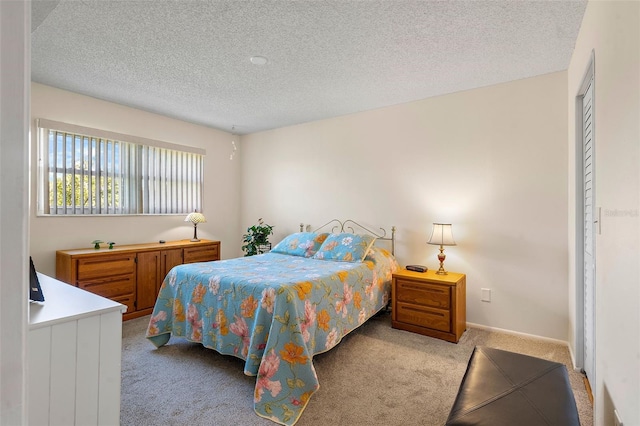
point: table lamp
(441, 236)
(195, 218)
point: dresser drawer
(111, 287)
(106, 266)
(424, 294)
(201, 254)
(128, 300)
(422, 316)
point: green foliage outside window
(75, 190)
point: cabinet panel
(128, 300)
(39, 375)
(170, 258)
(152, 268)
(87, 368)
(110, 373)
(426, 317)
(63, 375)
(201, 254)
(436, 296)
(110, 287)
(106, 266)
(148, 276)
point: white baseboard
(517, 333)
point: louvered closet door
(589, 228)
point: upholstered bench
(505, 388)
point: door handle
(597, 222)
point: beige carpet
(376, 375)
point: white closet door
(589, 231)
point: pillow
(345, 247)
(300, 244)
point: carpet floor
(376, 376)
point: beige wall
(611, 30)
(492, 161)
(221, 199)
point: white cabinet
(74, 365)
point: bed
(277, 310)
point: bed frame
(338, 226)
(285, 331)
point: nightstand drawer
(435, 296)
(422, 316)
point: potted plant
(256, 240)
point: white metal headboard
(337, 226)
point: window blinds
(86, 171)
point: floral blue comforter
(274, 311)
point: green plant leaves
(256, 236)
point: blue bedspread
(274, 311)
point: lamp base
(195, 238)
(441, 257)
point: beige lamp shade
(195, 217)
(441, 235)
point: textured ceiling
(190, 59)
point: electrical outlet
(486, 295)
(616, 419)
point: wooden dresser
(130, 274)
(430, 304)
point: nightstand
(430, 304)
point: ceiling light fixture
(234, 148)
(258, 60)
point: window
(85, 171)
